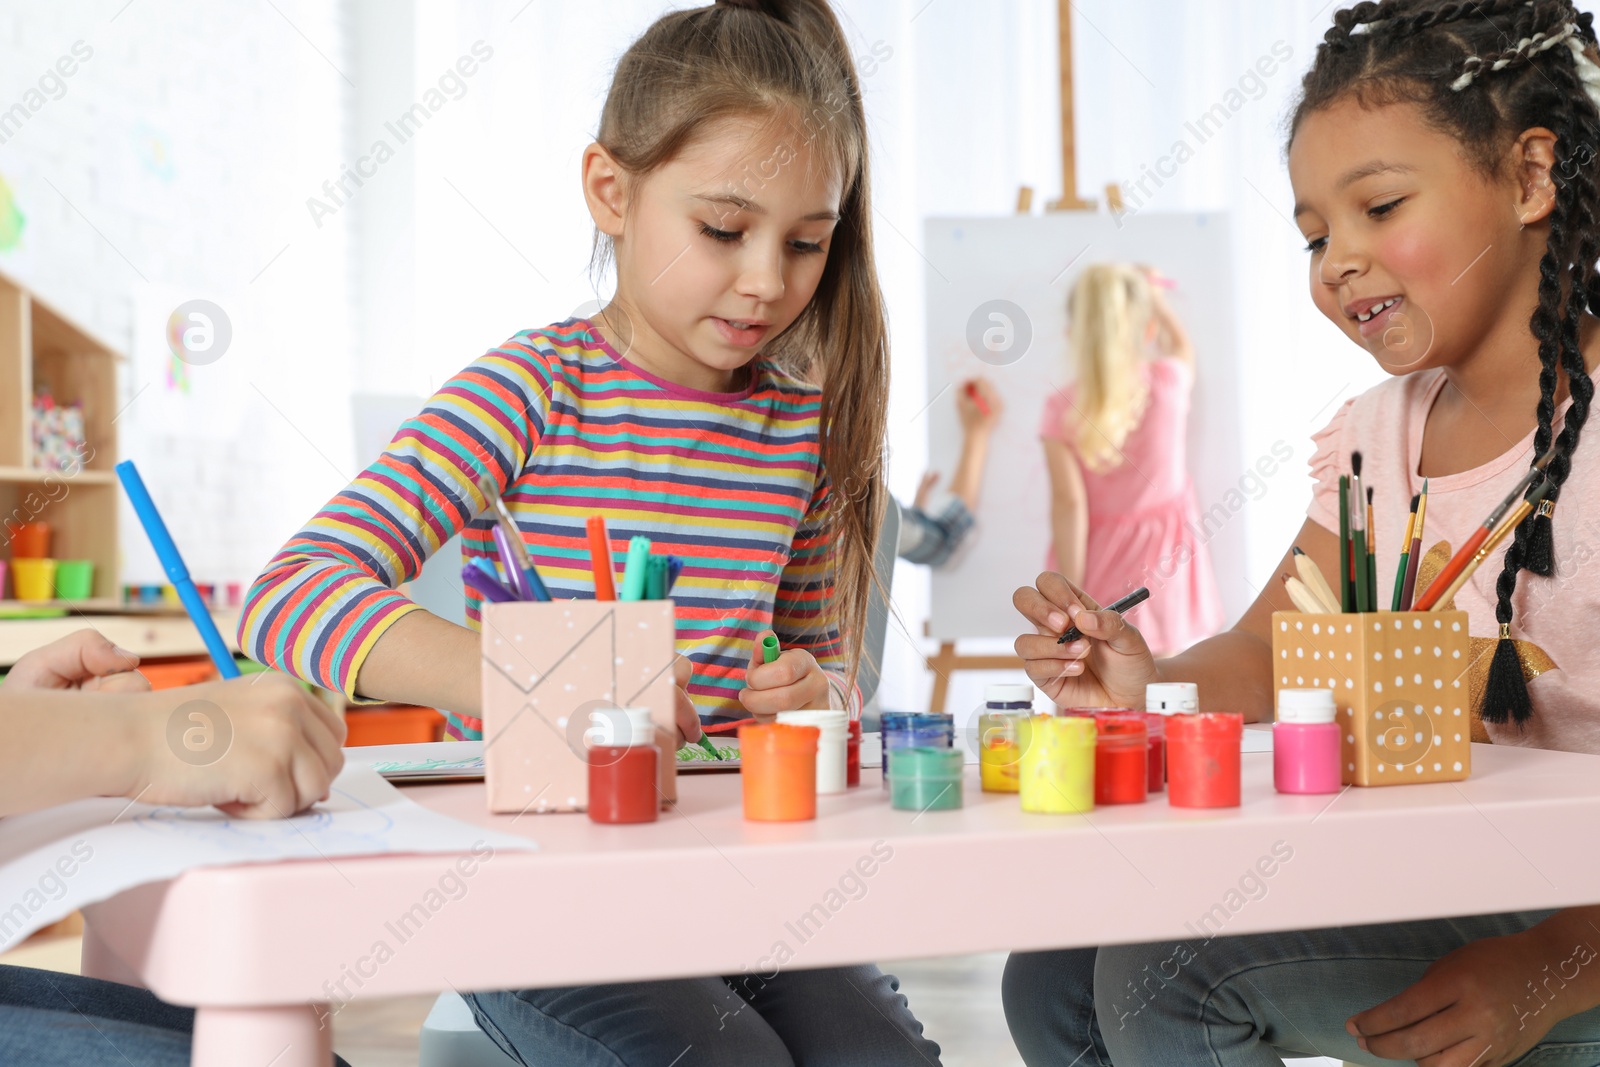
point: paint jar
(832, 742)
(852, 754)
(34, 579)
(925, 779)
(3, 568)
(623, 758)
(1162, 699)
(778, 771)
(1203, 760)
(915, 729)
(1002, 733)
(1057, 769)
(1305, 742)
(1121, 758)
(30, 540)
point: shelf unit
(40, 346)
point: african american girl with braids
(1443, 163)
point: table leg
(98, 961)
(299, 1035)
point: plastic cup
(35, 579)
(30, 540)
(74, 579)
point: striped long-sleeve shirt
(731, 483)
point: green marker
(634, 575)
(769, 648)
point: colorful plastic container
(1057, 769)
(74, 579)
(1203, 760)
(35, 579)
(778, 771)
(925, 779)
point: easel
(947, 660)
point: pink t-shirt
(1558, 613)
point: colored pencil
(1512, 521)
(1415, 559)
(177, 571)
(1303, 598)
(1133, 599)
(600, 559)
(1347, 600)
(1405, 556)
(1311, 576)
(1462, 558)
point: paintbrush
(1464, 557)
(1405, 556)
(1513, 520)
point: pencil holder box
(1399, 679)
(548, 665)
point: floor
(956, 997)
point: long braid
(1484, 71)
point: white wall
(172, 165)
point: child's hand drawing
(791, 682)
(84, 660)
(1106, 668)
(258, 747)
(683, 710)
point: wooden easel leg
(941, 666)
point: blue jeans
(1244, 1001)
(61, 1020)
(833, 1017)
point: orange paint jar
(778, 771)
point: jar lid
(1212, 726)
(831, 723)
(620, 727)
(1172, 698)
(1306, 705)
(1008, 693)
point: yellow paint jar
(1002, 737)
(1057, 765)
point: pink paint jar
(1305, 742)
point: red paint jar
(1121, 758)
(852, 754)
(1156, 726)
(778, 771)
(623, 763)
(1203, 760)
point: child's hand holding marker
(84, 660)
(1109, 666)
(793, 681)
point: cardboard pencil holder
(1399, 679)
(546, 667)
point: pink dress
(1143, 516)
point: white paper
(55, 861)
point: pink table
(268, 952)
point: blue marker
(171, 562)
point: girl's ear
(1534, 159)
(604, 189)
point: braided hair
(1483, 71)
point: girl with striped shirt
(729, 181)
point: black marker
(1138, 596)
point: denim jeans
(1244, 1001)
(833, 1017)
(61, 1020)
